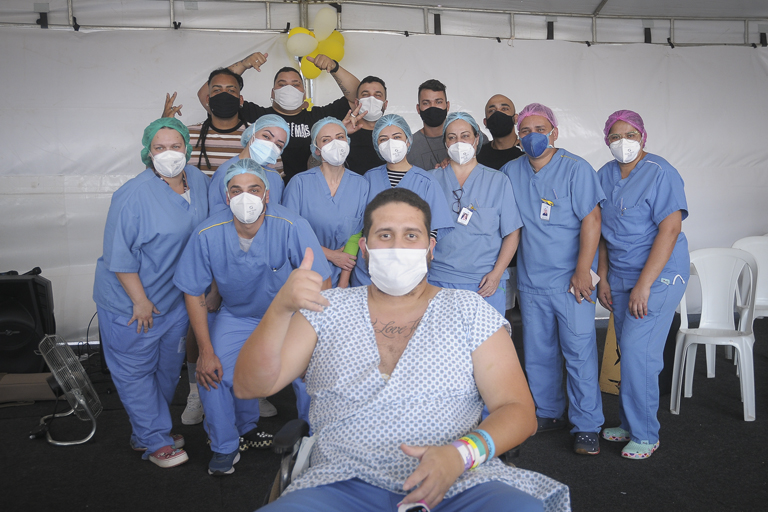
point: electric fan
(68, 378)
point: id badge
(546, 211)
(464, 215)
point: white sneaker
(193, 413)
(266, 409)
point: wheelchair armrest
(289, 435)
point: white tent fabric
(76, 104)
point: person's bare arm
(209, 369)
(279, 349)
(142, 306)
(603, 288)
(347, 82)
(490, 282)
(588, 240)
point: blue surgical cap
(455, 116)
(319, 125)
(155, 126)
(265, 122)
(391, 120)
(246, 166)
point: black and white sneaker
(256, 439)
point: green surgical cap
(152, 129)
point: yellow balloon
(308, 69)
(335, 36)
(299, 30)
(301, 44)
(325, 23)
(332, 49)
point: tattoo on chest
(394, 330)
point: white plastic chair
(757, 246)
(719, 271)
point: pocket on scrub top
(562, 213)
(484, 221)
(276, 278)
(634, 220)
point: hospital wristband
(465, 453)
(478, 449)
(488, 441)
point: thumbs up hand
(302, 289)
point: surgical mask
(393, 151)
(397, 271)
(433, 116)
(169, 163)
(625, 150)
(335, 152)
(372, 106)
(246, 207)
(536, 143)
(500, 124)
(461, 152)
(264, 152)
(289, 97)
(224, 105)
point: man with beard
(428, 149)
(500, 119)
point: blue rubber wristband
(489, 441)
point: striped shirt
(219, 147)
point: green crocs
(642, 450)
(616, 434)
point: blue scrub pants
(228, 417)
(498, 300)
(641, 342)
(145, 370)
(355, 495)
(556, 327)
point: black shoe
(257, 439)
(586, 443)
(548, 424)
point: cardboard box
(610, 370)
(25, 387)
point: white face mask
(372, 106)
(461, 152)
(289, 97)
(393, 151)
(265, 152)
(169, 163)
(246, 207)
(335, 152)
(625, 150)
(397, 271)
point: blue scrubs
(334, 219)
(631, 217)
(469, 252)
(555, 325)
(217, 194)
(147, 227)
(247, 281)
(424, 185)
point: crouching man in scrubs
(397, 408)
(250, 250)
(558, 195)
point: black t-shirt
(496, 158)
(362, 155)
(296, 154)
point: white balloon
(325, 23)
(301, 44)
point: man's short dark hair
(372, 79)
(225, 71)
(396, 195)
(286, 69)
(432, 85)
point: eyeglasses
(630, 135)
(457, 195)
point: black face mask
(433, 116)
(500, 124)
(224, 105)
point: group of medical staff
(181, 249)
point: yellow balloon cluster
(325, 40)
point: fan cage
(70, 375)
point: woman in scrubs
(475, 255)
(142, 318)
(643, 267)
(331, 197)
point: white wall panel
(80, 101)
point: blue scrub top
(549, 249)
(147, 228)
(217, 194)
(633, 211)
(247, 281)
(424, 185)
(333, 218)
(469, 252)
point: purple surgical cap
(537, 109)
(627, 116)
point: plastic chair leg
(689, 351)
(729, 353)
(677, 375)
(746, 365)
(711, 351)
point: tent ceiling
(637, 9)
